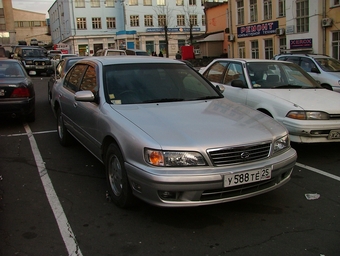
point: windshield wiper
(163, 100)
(286, 86)
(208, 97)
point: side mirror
(86, 96)
(238, 84)
(315, 70)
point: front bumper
(206, 187)
(311, 131)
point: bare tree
(164, 18)
(191, 19)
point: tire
(116, 177)
(63, 134)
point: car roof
(245, 60)
(9, 60)
(304, 55)
(129, 59)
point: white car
(322, 68)
(283, 91)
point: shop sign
(173, 29)
(301, 43)
(260, 29)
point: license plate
(241, 178)
(2, 92)
(334, 134)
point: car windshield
(328, 64)
(33, 53)
(270, 75)
(155, 82)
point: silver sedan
(168, 136)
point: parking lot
(53, 201)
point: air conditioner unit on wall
(326, 22)
(280, 31)
(231, 38)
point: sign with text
(301, 43)
(260, 29)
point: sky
(40, 6)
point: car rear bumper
(184, 190)
(15, 107)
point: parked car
(17, 95)
(109, 52)
(322, 68)
(33, 59)
(34, 42)
(283, 91)
(136, 52)
(58, 57)
(62, 67)
(52, 53)
(166, 135)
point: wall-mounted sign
(290, 29)
(173, 29)
(301, 43)
(260, 29)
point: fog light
(167, 194)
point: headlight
(281, 143)
(308, 115)
(173, 158)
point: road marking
(63, 224)
(318, 171)
(25, 134)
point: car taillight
(21, 92)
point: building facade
(87, 26)
(7, 30)
(264, 28)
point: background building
(87, 26)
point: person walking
(178, 56)
(160, 54)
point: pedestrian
(154, 54)
(178, 56)
(160, 54)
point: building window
(111, 22)
(161, 2)
(193, 20)
(134, 20)
(96, 23)
(255, 49)
(267, 9)
(240, 12)
(80, 3)
(203, 20)
(192, 2)
(282, 8)
(336, 2)
(81, 23)
(133, 2)
(179, 2)
(95, 3)
(147, 2)
(161, 20)
(109, 3)
(241, 49)
(336, 45)
(253, 10)
(302, 13)
(268, 49)
(203, 2)
(148, 21)
(180, 43)
(282, 45)
(180, 20)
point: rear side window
(73, 77)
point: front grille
(242, 154)
(334, 116)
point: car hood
(309, 99)
(205, 123)
(335, 74)
(36, 59)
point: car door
(88, 113)
(66, 98)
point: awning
(213, 37)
